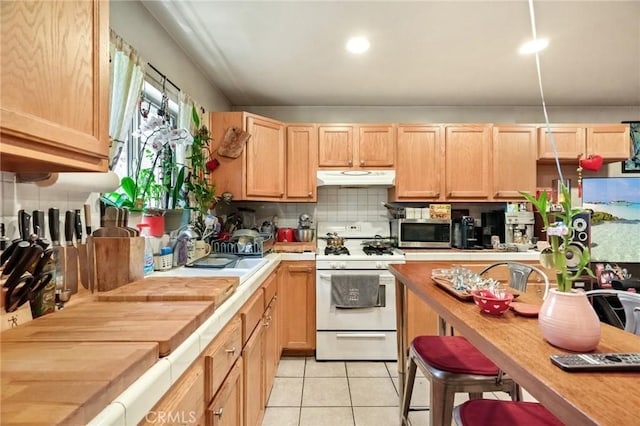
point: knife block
(117, 261)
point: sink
(243, 269)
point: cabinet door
(420, 151)
(302, 163)
(376, 145)
(514, 161)
(468, 161)
(54, 85)
(271, 356)
(253, 380)
(298, 308)
(226, 407)
(265, 165)
(335, 146)
(569, 141)
(611, 142)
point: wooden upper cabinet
(468, 161)
(259, 172)
(335, 146)
(356, 146)
(302, 163)
(54, 90)
(514, 161)
(265, 159)
(376, 145)
(611, 141)
(419, 171)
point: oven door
(379, 318)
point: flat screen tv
(615, 231)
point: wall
(445, 114)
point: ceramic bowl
(489, 303)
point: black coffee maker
(464, 233)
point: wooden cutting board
(294, 247)
(167, 323)
(66, 383)
(217, 289)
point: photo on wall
(632, 165)
(615, 222)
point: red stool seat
(484, 412)
(454, 354)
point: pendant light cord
(544, 105)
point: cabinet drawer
(226, 408)
(251, 314)
(184, 403)
(220, 355)
(270, 287)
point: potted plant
(200, 192)
(566, 318)
(157, 181)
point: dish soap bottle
(147, 265)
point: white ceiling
(424, 53)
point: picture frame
(632, 165)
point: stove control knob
(343, 265)
(332, 265)
(379, 265)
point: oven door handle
(361, 335)
(325, 277)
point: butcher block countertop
(166, 323)
(67, 382)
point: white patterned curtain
(126, 78)
(185, 103)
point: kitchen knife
(71, 253)
(58, 250)
(24, 220)
(38, 223)
(90, 259)
(82, 251)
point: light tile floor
(310, 393)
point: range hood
(356, 178)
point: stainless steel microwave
(422, 233)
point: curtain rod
(163, 76)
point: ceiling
(423, 53)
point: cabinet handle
(437, 195)
(275, 297)
(362, 162)
(281, 194)
(497, 194)
(266, 324)
(450, 194)
(309, 194)
(219, 412)
(231, 351)
(351, 162)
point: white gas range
(366, 331)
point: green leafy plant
(558, 226)
(200, 191)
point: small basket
(163, 262)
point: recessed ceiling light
(533, 46)
(358, 45)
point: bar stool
(454, 365)
(483, 412)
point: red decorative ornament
(211, 165)
(593, 163)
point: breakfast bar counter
(516, 345)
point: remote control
(598, 362)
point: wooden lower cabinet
(298, 307)
(253, 377)
(226, 407)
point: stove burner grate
(377, 251)
(336, 250)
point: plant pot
(567, 320)
(175, 219)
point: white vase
(567, 320)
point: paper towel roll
(85, 182)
